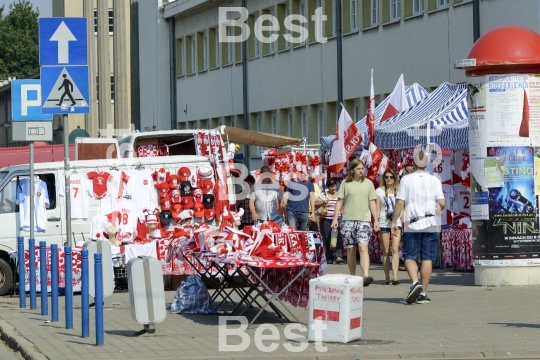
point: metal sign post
(32, 191)
(63, 56)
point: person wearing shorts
(421, 195)
(357, 197)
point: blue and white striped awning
(445, 110)
(414, 93)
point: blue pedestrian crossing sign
(26, 101)
(63, 41)
(64, 90)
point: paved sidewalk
(462, 321)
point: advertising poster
(533, 110)
(478, 125)
(506, 101)
(537, 170)
(513, 214)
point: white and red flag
(397, 102)
(347, 140)
(376, 163)
(370, 118)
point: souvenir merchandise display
(456, 249)
(41, 203)
(297, 162)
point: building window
(318, 5)
(217, 47)
(259, 128)
(112, 87)
(193, 55)
(207, 124)
(418, 7)
(179, 57)
(304, 125)
(273, 43)
(111, 21)
(354, 14)
(442, 4)
(230, 45)
(205, 52)
(290, 124)
(320, 123)
(395, 10)
(274, 123)
(334, 17)
(356, 112)
(287, 31)
(302, 12)
(232, 123)
(374, 12)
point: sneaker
(423, 299)
(416, 289)
(367, 280)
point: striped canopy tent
(444, 111)
(414, 93)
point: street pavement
(7, 354)
(461, 322)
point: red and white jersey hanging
(446, 216)
(462, 169)
(462, 200)
(442, 168)
(118, 184)
(78, 193)
(99, 183)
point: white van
(51, 174)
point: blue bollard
(68, 265)
(85, 294)
(43, 276)
(32, 259)
(54, 282)
(98, 281)
(20, 263)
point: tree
(19, 44)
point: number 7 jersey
(78, 194)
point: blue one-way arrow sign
(63, 41)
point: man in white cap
(422, 196)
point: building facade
(292, 88)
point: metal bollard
(85, 303)
(54, 282)
(43, 276)
(68, 268)
(98, 281)
(32, 259)
(20, 263)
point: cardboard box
(335, 300)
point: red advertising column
(503, 93)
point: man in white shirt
(422, 196)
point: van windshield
(3, 174)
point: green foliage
(19, 52)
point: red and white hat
(162, 188)
(176, 209)
(151, 215)
(187, 202)
(176, 198)
(185, 214)
(198, 209)
(207, 186)
(160, 175)
(184, 173)
(173, 181)
(209, 214)
(165, 203)
(198, 195)
(206, 171)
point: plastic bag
(191, 297)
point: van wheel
(6, 277)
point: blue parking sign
(26, 101)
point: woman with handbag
(386, 200)
(324, 208)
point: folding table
(254, 288)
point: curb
(15, 341)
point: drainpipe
(172, 57)
(476, 19)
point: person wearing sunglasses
(386, 201)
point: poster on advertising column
(506, 101)
(513, 214)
